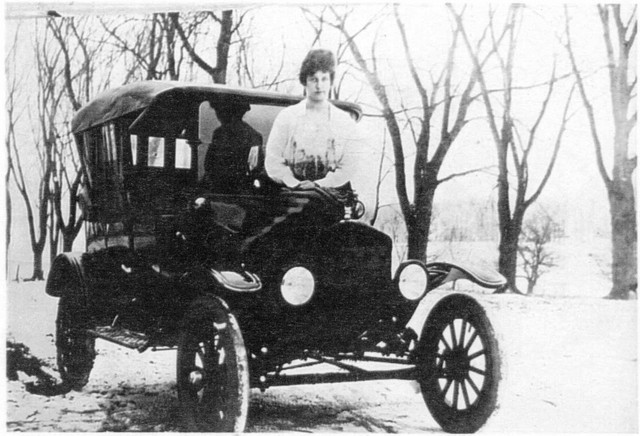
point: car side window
(133, 141)
(155, 158)
(183, 154)
(157, 152)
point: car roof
(174, 101)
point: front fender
(204, 279)
(203, 307)
(444, 272)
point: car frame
(254, 289)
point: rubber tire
(220, 403)
(75, 349)
(473, 406)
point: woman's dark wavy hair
(317, 60)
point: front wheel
(213, 370)
(459, 364)
(75, 348)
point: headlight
(412, 279)
(298, 286)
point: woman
(311, 143)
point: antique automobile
(255, 285)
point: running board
(121, 336)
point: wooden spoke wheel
(75, 348)
(213, 371)
(459, 364)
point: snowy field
(569, 365)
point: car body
(250, 284)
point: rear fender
(444, 272)
(107, 269)
(67, 269)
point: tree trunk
(530, 286)
(417, 238)
(38, 272)
(54, 236)
(619, 43)
(508, 258)
(624, 238)
(224, 42)
(8, 225)
(508, 249)
(69, 236)
(67, 243)
(508, 246)
(420, 223)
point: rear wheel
(74, 346)
(213, 371)
(459, 365)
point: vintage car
(253, 283)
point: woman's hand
(306, 185)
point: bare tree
(66, 184)
(13, 115)
(619, 38)
(513, 147)
(147, 44)
(37, 225)
(79, 63)
(430, 151)
(189, 35)
(173, 58)
(381, 175)
(534, 240)
(9, 140)
(251, 68)
(394, 226)
(52, 228)
(49, 96)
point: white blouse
(304, 148)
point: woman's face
(318, 86)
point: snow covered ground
(570, 365)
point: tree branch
(632, 37)
(465, 173)
(189, 47)
(586, 103)
(392, 124)
(541, 113)
(444, 128)
(479, 75)
(412, 68)
(556, 148)
(376, 207)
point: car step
(121, 336)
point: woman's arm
(344, 171)
(348, 135)
(274, 161)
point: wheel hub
(456, 364)
(196, 379)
